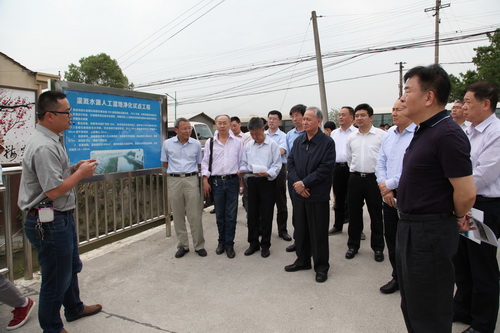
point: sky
(248, 57)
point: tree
(99, 70)
(333, 115)
(487, 61)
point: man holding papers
(262, 160)
(476, 267)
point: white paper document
(482, 232)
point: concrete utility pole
(400, 77)
(319, 65)
(175, 103)
(436, 33)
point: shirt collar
(435, 119)
(44, 130)
(482, 126)
(409, 129)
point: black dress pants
(311, 233)
(281, 202)
(390, 230)
(426, 276)
(261, 196)
(477, 275)
(340, 181)
(359, 190)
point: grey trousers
(9, 294)
(185, 199)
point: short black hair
(351, 110)
(275, 112)
(483, 91)
(330, 124)
(432, 78)
(298, 108)
(48, 101)
(255, 123)
(236, 119)
(364, 106)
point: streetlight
(175, 103)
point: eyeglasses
(67, 112)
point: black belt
(182, 175)
(34, 212)
(480, 198)
(224, 177)
(424, 217)
(341, 164)
(364, 174)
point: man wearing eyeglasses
(49, 179)
(181, 158)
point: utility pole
(175, 103)
(400, 77)
(436, 33)
(319, 65)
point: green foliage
(333, 115)
(99, 70)
(487, 61)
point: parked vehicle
(201, 132)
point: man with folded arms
(476, 265)
(264, 152)
(310, 168)
(389, 166)
(181, 158)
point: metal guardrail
(108, 206)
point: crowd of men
(419, 180)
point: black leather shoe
(220, 249)
(351, 253)
(265, 253)
(390, 287)
(230, 252)
(285, 236)
(181, 252)
(293, 267)
(321, 277)
(251, 250)
(471, 330)
(201, 252)
(379, 256)
(291, 248)
(334, 231)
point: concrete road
(144, 289)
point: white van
(201, 132)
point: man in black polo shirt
(436, 190)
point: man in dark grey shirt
(50, 227)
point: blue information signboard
(123, 133)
